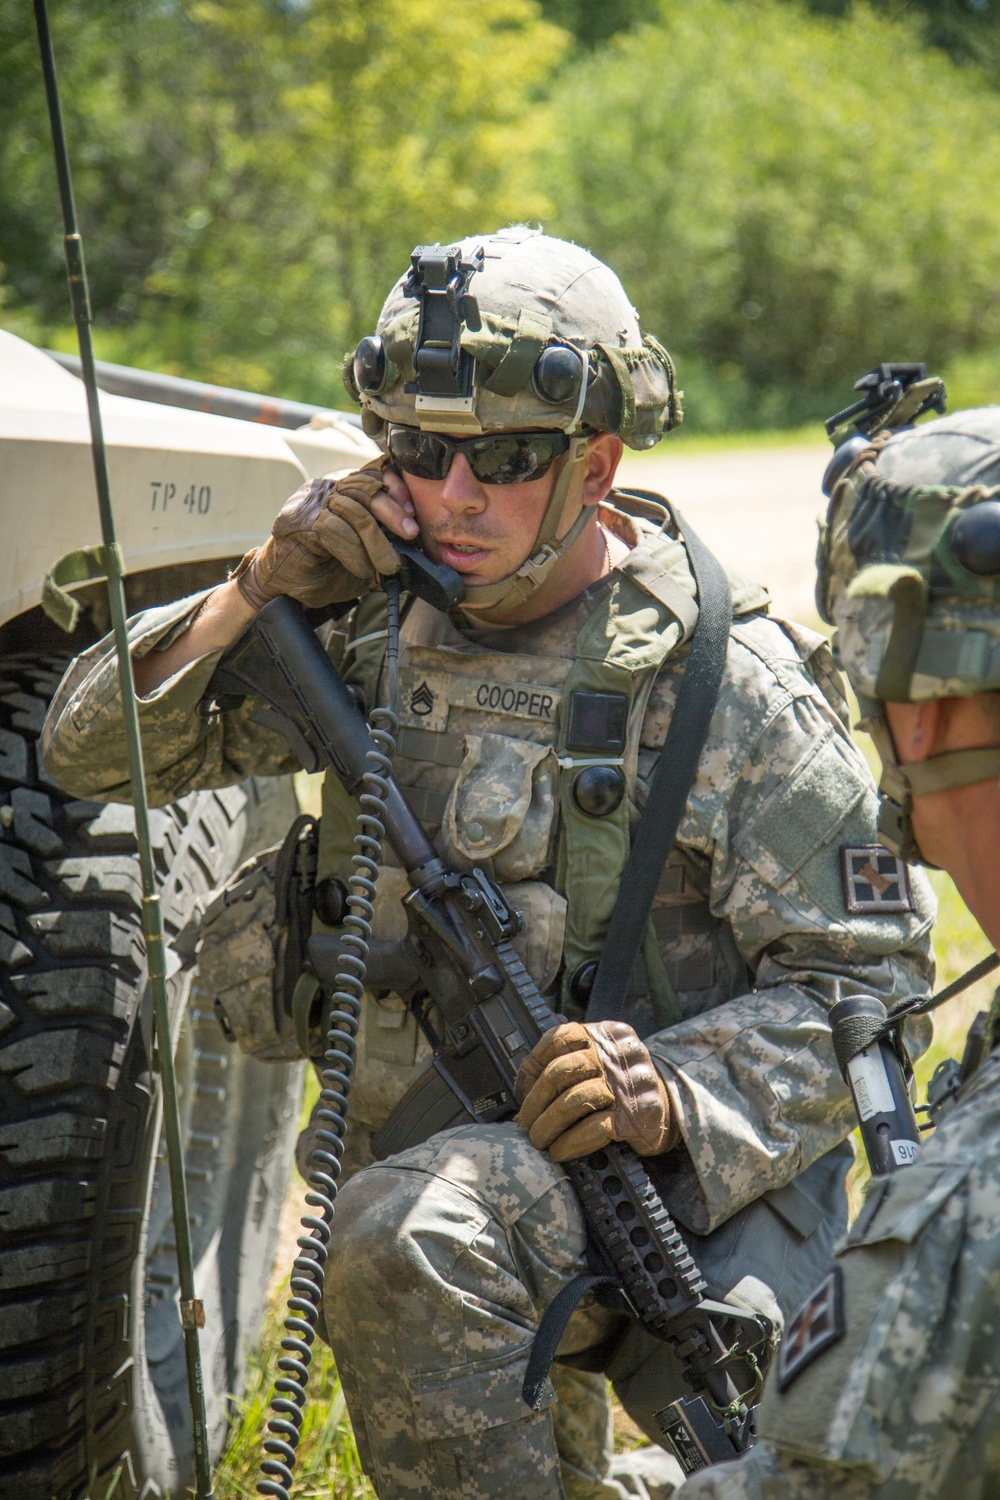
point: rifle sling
(672, 781)
(550, 1331)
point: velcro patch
(522, 700)
(874, 880)
(424, 698)
(818, 1323)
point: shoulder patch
(818, 1323)
(874, 880)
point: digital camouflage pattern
(756, 896)
(83, 730)
(888, 545)
(443, 1260)
(237, 953)
(750, 921)
(907, 1405)
(583, 1428)
(904, 1404)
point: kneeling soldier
(501, 383)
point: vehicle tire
(93, 1395)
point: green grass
(327, 1464)
(328, 1467)
(309, 791)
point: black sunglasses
(498, 458)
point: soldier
(888, 1381)
(501, 384)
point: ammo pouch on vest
(252, 939)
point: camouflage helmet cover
(528, 294)
(909, 561)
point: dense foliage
(251, 178)
(789, 199)
(791, 189)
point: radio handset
(440, 586)
(437, 584)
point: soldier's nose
(461, 489)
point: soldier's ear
(603, 457)
(920, 730)
(928, 727)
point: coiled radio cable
(284, 1425)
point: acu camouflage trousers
(442, 1261)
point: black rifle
(465, 976)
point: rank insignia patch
(422, 700)
(875, 880)
(818, 1323)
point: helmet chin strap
(497, 603)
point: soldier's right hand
(585, 1084)
(326, 545)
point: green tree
(788, 195)
(178, 148)
(423, 123)
(592, 22)
(251, 177)
(968, 30)
(788, 198)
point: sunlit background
(791, 191)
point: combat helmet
(515, 330)
(909, 573)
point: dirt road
(755, 507)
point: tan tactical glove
(325, 545)
(586, 1085)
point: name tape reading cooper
(428, 697)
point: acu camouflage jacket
(756, 919)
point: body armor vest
(534, 767)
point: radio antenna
(191, 1310)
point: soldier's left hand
(587, 1084)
